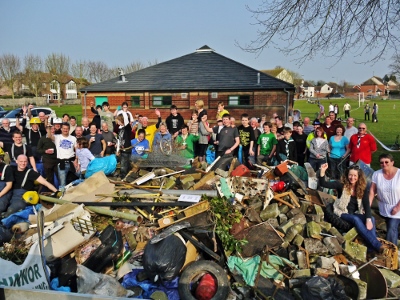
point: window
(71, 85)
(54, 85)
(135, 101)
(72, 95)
(162, 100)
(239, 100)
(55, 96)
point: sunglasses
(384, 162)
(363, 128)
(354, 167)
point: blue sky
(120, 32)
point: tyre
(194, 271)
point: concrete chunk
(304, 207)
(326, 226)
(323, 272)
(285, 226)
(326, 263)
(350, 235)
(298, 240)
(356, 251)
(301, 273)
(292, 232)
(338, 235)
(314, 230)
(271, 211)
(319, 211)
(300, 218)
(222, 173)
(333, 245)
(392, 279)
(282, 218)
(293, 212)
(362, 288)
(284, 209)
(314, 247)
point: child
(84, 156)
(194, 124)
(140, 145)
(266, 144)
(286, 148)
(221, 110)
(246, 135)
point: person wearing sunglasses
(361, 146)
(386, 184)
(352, 205)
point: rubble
(234, 217)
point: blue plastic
(106, 164)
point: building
(202, 75)
(281, 74)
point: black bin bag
(163, 260)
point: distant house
(280, 73)
(326, 89)
(373, 86)
(308, 89)
(201, 75)
(55, 90)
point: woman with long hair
(352, 205)
(319, 149)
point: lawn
(386, 130)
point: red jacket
(364, 150)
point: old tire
(195, 271)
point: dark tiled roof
(201, 70)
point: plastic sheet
(319, 288)
(106, 164)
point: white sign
(189, 198)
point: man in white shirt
(65, 144)
(346, 109)
(350, 129)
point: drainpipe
(287, 104)
(84, 102)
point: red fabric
(364, 151)
(206, 288)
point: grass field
(386, 130)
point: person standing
(286, 148)
(97, 145)
(126, 114)
(246, 136)
(6, 131)
(174, 121)
(350, 129)
(65, 147)
(366, 112)
(186, 142)
(150, 129)
(124, 140)
(375, 113)
(321, 111)
(109, 139)
(328, 127)
(338, 144)
(300, 139)
(6, 183)
(307, 127)
(347, 108)
(361, 146)
(319, 149)
(336, 110)
(47, 149)
(104, 113)
(267, 143)
(221, 110)
(161, 134)
(386, 184)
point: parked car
(334, 95)
(371, 97)
(12, 115)
(2, 112)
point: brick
(300, 218)
(301, 273)
(315, 247)
(326, 263)
(271, 211)
(392, 279)
(293, 212)
(351, 235)
(333, 245)
(337, 234)
(313, 230)
(356, 251)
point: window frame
(135, 101)
(163, 104)
(239, 101)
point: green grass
(386, 130)
(72, 110)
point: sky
(124, 31)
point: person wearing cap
(311, 135)
(150, 129)
(24, 180)
(174, 121)
(17, 148)
(361, 146)
(32, 135)
(6, 182)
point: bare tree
(395, 65)
(99, 71)
(134, 66)
(330, 27)
(57, 64)
(10, 66)
(153, 62)
(33, 73)
(80, 72)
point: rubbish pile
(197, 233)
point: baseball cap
(316, 122)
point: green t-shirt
(266, 142)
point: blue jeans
(62, 175)
(392, 227)
(368, 235)
(316, 163)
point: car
(334, 95)
(13, 114)
(2, 111)
(371, 97)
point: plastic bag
(300, 172)
(319, 288)
(90, 282)
(106, 164)
(210, 154)
(164, 260)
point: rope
(382, 144)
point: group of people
(368, 110)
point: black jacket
(174, 123)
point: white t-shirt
(350, 131)
(65, 146)
(388, 193)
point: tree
(333, 28)
(395, 65)
(58, 66)
(80, 72)
(10, 66)
(134, 66)
(99, 71)
(33, 73)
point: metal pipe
(84, 101)
(287, 104)
(208, 193)
(99, 210)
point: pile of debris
(196, 233)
